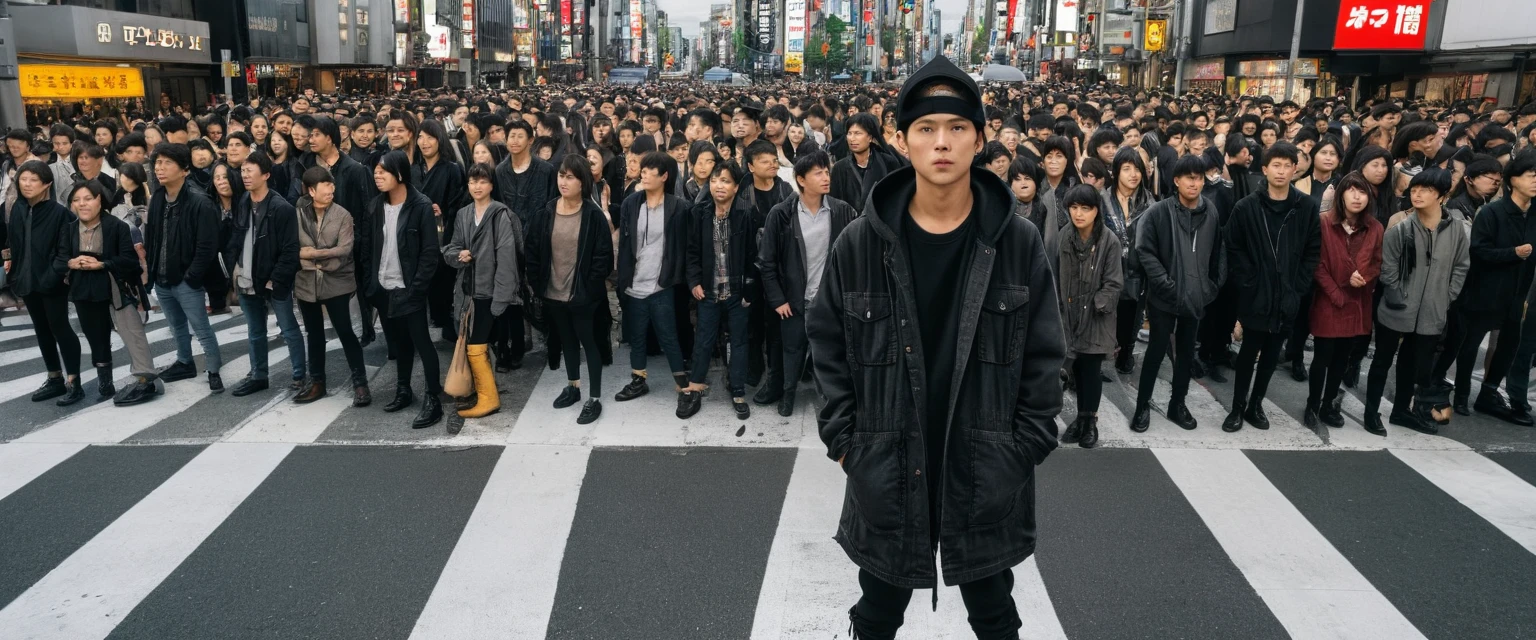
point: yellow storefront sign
(58, 81)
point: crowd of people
(698, 220)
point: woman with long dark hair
(36, 220)
(287, 170)
(569, 253)
(1342, 306)
(703, 157)
(1125, 199)
(441, 180)
(403, 254)
(1086, 260)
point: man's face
(774, 128)
(941, 147)
(652, 124)
(460, 114)
(252, 177)
(652, 180)
(399, 137)
(134, 154)
(679, 153)
(517, 142)
(236, 151)
(742, 125)
(765, 166)
(722, 188)
(1189, 186)
(301, 106)
(61, 145)
(168, 173)
(362, 136)
(300, 138)
(1279, 171)
(816, 182)
(858, 139)
(1524, 184)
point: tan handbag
(460, 383)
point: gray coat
(495, 248)
(332, 272)
(1088, 283)
(1416, 300)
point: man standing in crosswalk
(937, 343)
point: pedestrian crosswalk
(215, 517)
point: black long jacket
(274, 250)
(415, 244)
(741, 253)
(1272, 271)
(594, 253)
(33, 239)
(116, 253)
(1499, 279)
(1005, 393)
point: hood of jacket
(889, 199)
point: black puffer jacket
(1005, 392)
(1499, 278)
(780, 255)
(1272, 272)
(1182, 256)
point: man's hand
(698, 292)
(1356, 280)
(1524, 251)
(784, 311)
(464, 255)
(437, 211)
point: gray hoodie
(495, 250)
(1417, 300)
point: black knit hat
(918, 98)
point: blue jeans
(183, 306)
(652, 312)
(712, 316)
(255, 309)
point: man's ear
(900, 141)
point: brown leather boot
(311, 393)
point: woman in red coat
(1341, 306)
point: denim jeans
(652, 312)
(712, 316)
(255, 309)
(183, 306)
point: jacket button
(919, 472)
(909, 349)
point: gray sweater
(1441, 260)
(496, 247)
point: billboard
(1382, 24)
(1066, 15)
(794, 35)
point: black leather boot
(431, 411)
(105, 388)
(1090, 434)
(1142, 419)
(1234, 420)
(1074, 431)
(1255, 416)
(403, 399)
(72, 393)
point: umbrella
(1002, 73)
(718, 74)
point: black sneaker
(570, 396)
(1331, 416)
(743, 410)
(768, 393)
(787, 405)
(1373, 425)
(637, 387)
(688, 403)
(178, 371)
(73, 393)
(1126, 365)
(1141, 419)
(52, 388)
(590, 411)
(248, 386)
(1298, 371)
(138, 393)
(216, 383)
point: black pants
(1295, 346)
(1330, 357)
(1180, 331)
(1263, 346)
(96, 324)
(765, 348)
(682, 307)
(1127, 325)
(508, 332)
(1464, 336)
(1216, 327)
(56, 339)
(1090, 388)
(481, 323)
(796, 345)
(574, 324)
(989, 601)
(440, 298)
(340, 311)
(1413, 367)
(217, 286)
(407, 333)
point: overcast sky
(688, 13)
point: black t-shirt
(939, 263)
(766, 200)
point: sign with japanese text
(58, 81)
(1066, 15)
(1382, 24)
(468, 16)
(1156, 35)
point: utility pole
(1290, 68)
(13, 114)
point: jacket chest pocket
(1000, 329)
(871, 329)
(410, 245)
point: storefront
(276, 79)
(1209, 74)
(76, 58)
(1268, 78)
(1481, 58)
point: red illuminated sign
(1382, 24)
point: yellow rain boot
(487, 401)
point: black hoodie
(1272, 252)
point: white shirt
(390, 276)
